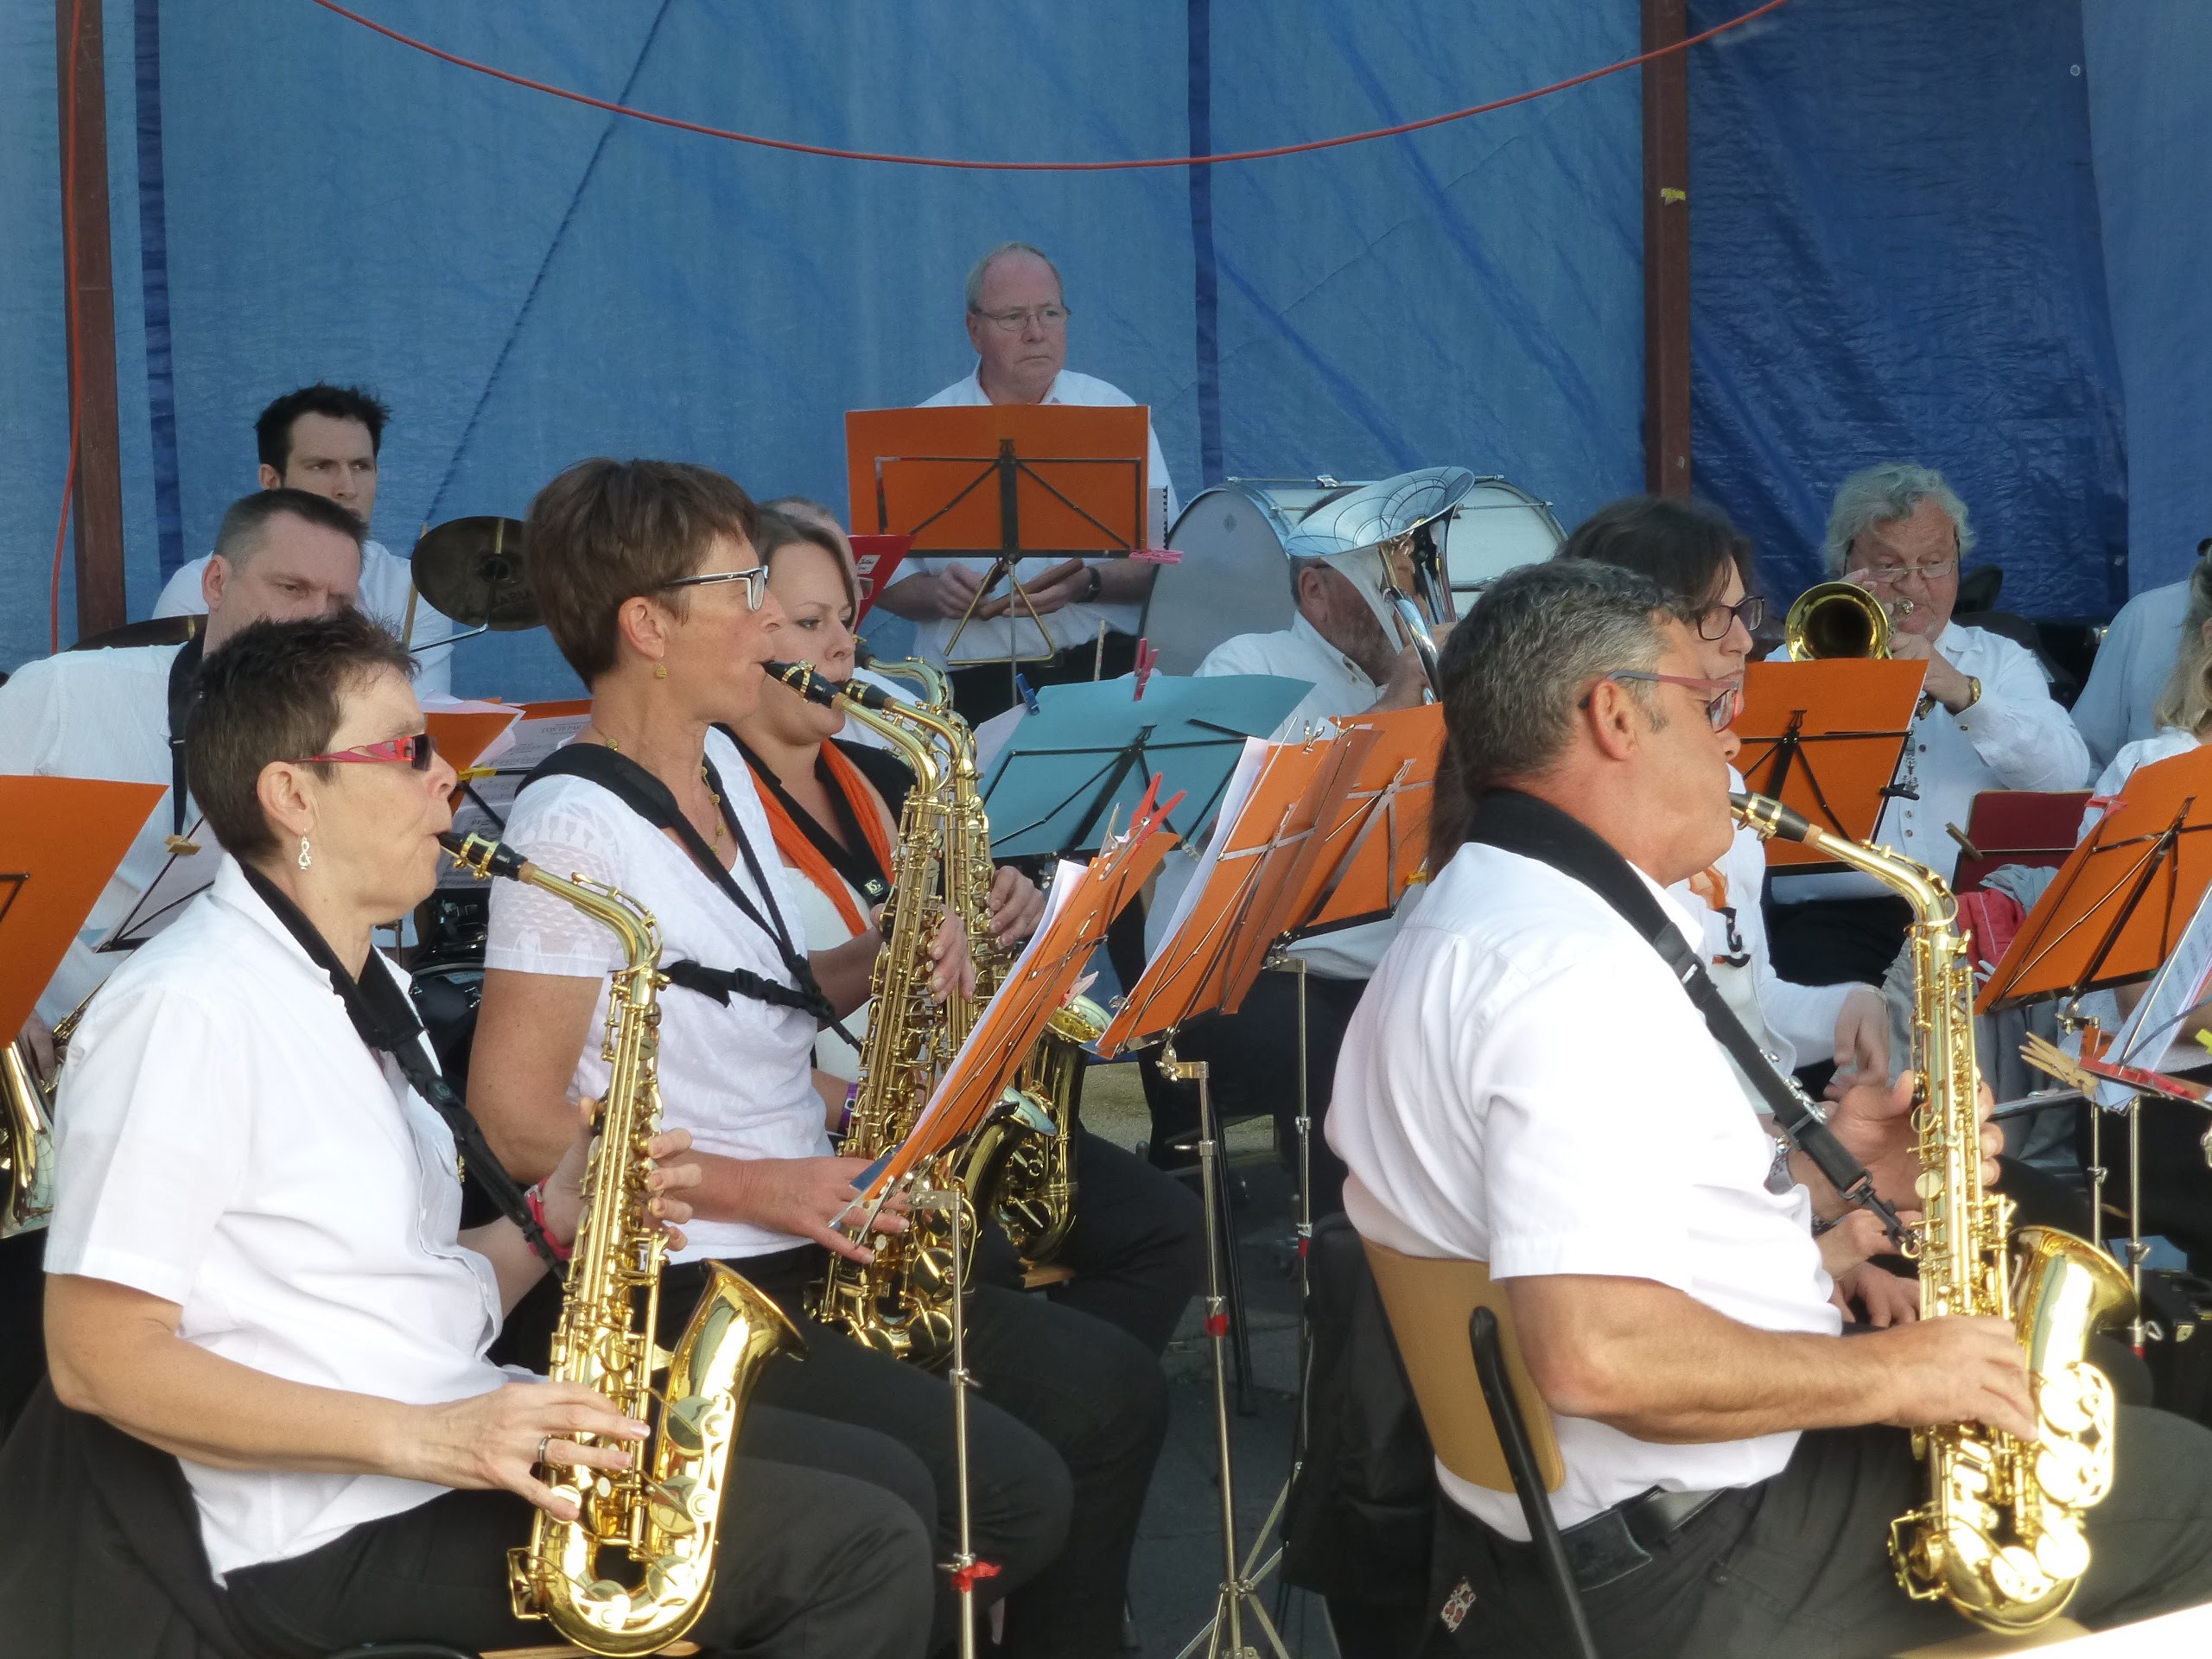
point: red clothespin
(963, 1578)
(1147, 659)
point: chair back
(1428, 1299)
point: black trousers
(1067, 1422)
(1799, 1564)
(22, 1321)
(808, 1564)
(987, 689)
(1138, 1246)
(1833, 941)
(1253, 1054)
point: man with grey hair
(1018, 323)
(1987, 720)
(1527, 1084)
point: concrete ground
(1177, 1568)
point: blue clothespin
(1028, 696)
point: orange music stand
(1375, 843)
(1824, 738)
(461, 735)
(1006, 480)
(2117, 907)
(1084, 900)
(61, 841)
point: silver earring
(307, 858)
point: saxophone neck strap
(184, 688)
(386, 1023)
(652, 800)
(1517, 822)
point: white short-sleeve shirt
(739, 1078)
(96, 714)
(1525, 1083)
(225, 1141)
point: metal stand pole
(965, 1568)
(1223, 1636)
(2137, 1249)
(1301, 1428)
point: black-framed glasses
(1712, 621)
(1723, 698)
(755, 580)
(416, 750)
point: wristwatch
(1091, 593)
(1974, 694)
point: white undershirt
(1525, 1083)
(741, 1078)
(225, 1141)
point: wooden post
(1666, 252)
(97, 502)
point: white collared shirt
(741, 1078)
(2170, 742)
(1525, 1083)
(1794, 1023)
(2014, 737)
(1071, 625)
(226, 1141)
(2118, 706)
(97, 714)
(386, 579)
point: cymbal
(474, 571)
(157, 631)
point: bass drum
(1234, 576)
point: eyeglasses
(1890, 575)
(755, 580)
(1723, 698)
(1712, 621)
(1014, 321)
(416, 751)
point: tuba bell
(1836, 618)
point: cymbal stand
(1223, 1636)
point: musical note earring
(307, 858)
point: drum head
(1495, 528)
(1233, 578)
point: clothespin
(1028, 694)
(1147, 659)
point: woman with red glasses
(257, 1273)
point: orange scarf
(802, 855)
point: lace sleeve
(534, 932)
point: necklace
(715, 839)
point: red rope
(69, 282)
(1044, 166)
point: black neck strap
(853, 858)
(652, 800)
(184, 686)
(1515, 822)
(385, 1021)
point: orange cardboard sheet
(61, 841)
(1085, 899)
(1376, 843)
(2117, 907)
(1264, 842)
(1824, 738)
(1032, 479)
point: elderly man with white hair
(1987, 720)
(1018, 323)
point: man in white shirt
(1729, 1482)
(326, 439)
(2118, 706)
(1988, 720)
(280, 555)
(1018, 323)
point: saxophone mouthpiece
(806, 679)
(483, 857)
(1771, 818)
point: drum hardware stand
(1223, 1636)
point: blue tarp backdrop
(1898, 248)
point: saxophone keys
(675, 1504)
(2020, 1575)
(2062, 1552)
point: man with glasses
(1986, 719)
(1018, 323)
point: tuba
(1836, 618)
(662, 1511)
(2000, 1536)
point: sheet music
(1200, 869)
(515, 753)
(2175, 989)
(183, 878)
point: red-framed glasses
(416, 750)
(1723, 698)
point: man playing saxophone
(257, 1265)
(1733, 1465)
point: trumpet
(1840, 618)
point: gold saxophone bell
(1836, 618)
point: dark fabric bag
(1361, 1511)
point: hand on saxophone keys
(563, 1190)
(1874, 1123)
(1953, 1369)
(498, 1441)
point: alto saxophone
(663, 1510)
(2000, 1537)
(27, 1127)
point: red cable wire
(69, 284)
(1042, 167)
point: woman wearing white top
(650, 586)
(256, 1262)
(2184, 708)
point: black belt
(1615, 1542)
